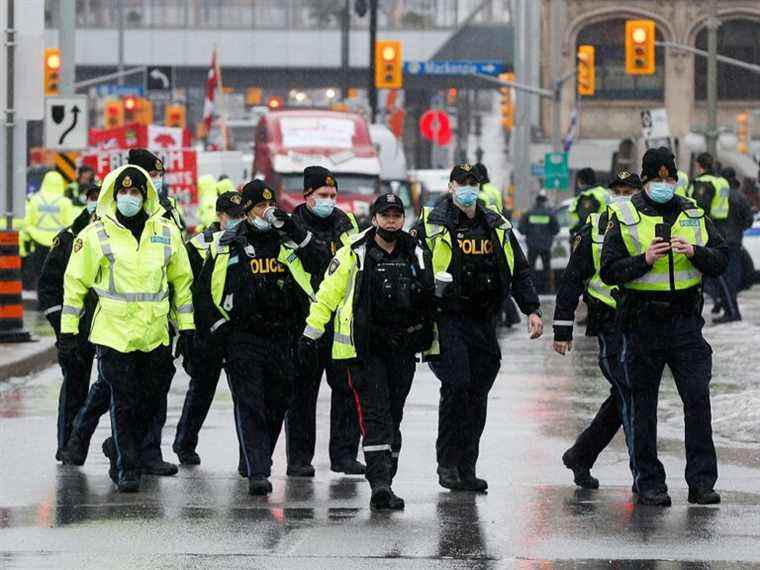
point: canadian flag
(212, 85)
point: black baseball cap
(145, 159)
(625, 178)
(230, 203)
(90, 189)
(131, 177)
(462, 172)
(386, 202)
(255, 192)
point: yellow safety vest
(602, 196)
(719, 205)
(638, 232)
(597, 288)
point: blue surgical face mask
(619, 199)
(232, 224)
(323, 207)
(661, 192)
(466, 196)
(158, 184)
(91, 207)
(261, 225)
(128, 205)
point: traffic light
(131, 108)
(742, 132)
(639, 47)
(113, 114)
(388, 65)
(586, 71)
(52, 70)
(253, 96)
(274, 102)
(451, 96)
(144, 115)
(507, 103)
(175, 115)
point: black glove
(185, 345)
(289, 227)
(308, 354)
(68, 345)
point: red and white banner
(135, 135)
(181, 169)
(212, 85)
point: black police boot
(396, 503)
(109, 450)
(188, 457)
(581, 475)
(300, 470)
(351, 467)
(381, 498)
(704, 497)
(725, 319)
(470, 482)
(242, 470)
(259, 486)
(448, 477)
(656, 498)
(130, 483)
(59, 455)
(161, 469)
(75, 452)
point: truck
(289, 140)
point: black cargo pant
(545, 255)
(137, 389)
(469, 362)
(76, 369)
(676, 341)
(381, 384)
(301, 420)
(98, 402)
(206, 367)
(614, 412)
(260, 375)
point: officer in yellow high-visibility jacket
(657, 248)
(135, 262)
(48, 212)
(709, 190)
(590, 198)
(490, 195)
(252, 294)
(378, 293)
(207, 195)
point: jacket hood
(223, 186)
(206, 185)
(107, 200)
(53, 184)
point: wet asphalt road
(61, 517)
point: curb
(44, 357)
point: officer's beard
(388, 235)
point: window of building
(739, 39)
(612, 82)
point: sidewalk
(23, 358)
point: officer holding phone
(657, 249)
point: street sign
(537, 170)
(66, 123)
(557, 173)
(108, 90)
(435, 126)
(160, 78)
(453, 67)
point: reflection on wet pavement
(54, 516)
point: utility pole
(557, 13)
(372, 91)
(67, 43)
(120, 19)
(521, 132)
(711, 136)
(10, 111)
(345, 47)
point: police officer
(136, 263)
(581, 277)
(590, 198)
(205, 365)
(332, 228)
(656, 249)
(250, 292)
(76, 363)
(490, 195)
(48, 212)
(539, 225)
(477, 248)
(76, 191)
(154, 166)
(380, 288)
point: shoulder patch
(610, 225)
(56, 241)
(78, 244)
(577, 242)
(334, 265)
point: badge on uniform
(333, 267)
(689, 223)
(160, 239)
(577, 242)
(610, 225)
(78, 244)
(266, 194)
(56, 241)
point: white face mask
(619, 199)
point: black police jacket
(619, 267)
(50, 288)
(538, 235)
(520, 284)
(580, 268)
